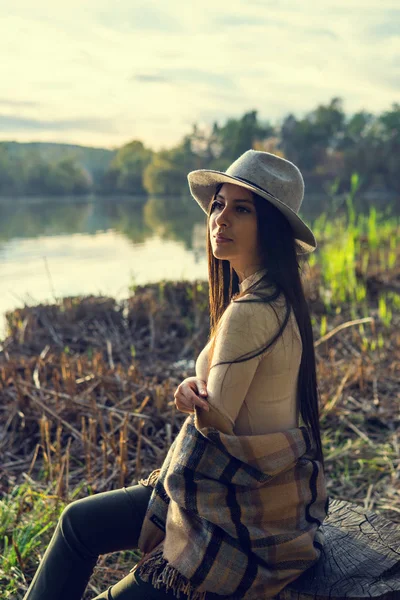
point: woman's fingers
(186, 398)
(187, 404)
(182, 405)
(199, 402)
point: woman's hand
(190, 393)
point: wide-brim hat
(274, 178)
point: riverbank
(87, 387)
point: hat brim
(203, 184)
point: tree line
(326, 145)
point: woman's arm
(246, 327)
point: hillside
(94, 160)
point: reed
(355, 250)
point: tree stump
(361, 559)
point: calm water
(50, 248)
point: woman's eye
(220, 206)
(216, 204)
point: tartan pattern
(234, 515)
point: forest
(327, 145)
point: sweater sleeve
(245, 328)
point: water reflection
(199, 242)
(173, 218)
(55, 248)
(125, 216)
(137, 219)
(30, 220)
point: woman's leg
(96, 525)
(132, 587)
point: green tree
(66, 177)
(390, 149)
(306, 141)
(162, 175)
(239, 135)
(370, 145)
(125, 173)
(355, 129)
(168, 169)
(8, 173)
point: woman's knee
(73, 515)
(105, 522)
(75, 526)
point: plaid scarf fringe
(156, 570)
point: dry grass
(87, 405)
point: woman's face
(233, 215)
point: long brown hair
(278, 255)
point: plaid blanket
(238, 516)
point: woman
(235, 510)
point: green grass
(27, 520)
(355, 465)
(351, 247)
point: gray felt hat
(274, 178)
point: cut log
(360, 560)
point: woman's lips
(221, 240)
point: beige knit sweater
(258, 395)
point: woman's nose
(222, 218)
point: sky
(101, 73)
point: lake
(65, 247)
(51, 248)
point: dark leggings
(96, 525)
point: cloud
(16, 123)
(144, 16)
(106, 73)
(149, 78)
(387, 28)
(233, 20)
(217, 115)
(52, 85)
(188, 76)
(324, 33)
(18, 103)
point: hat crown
(271, 173)
(276, 179)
